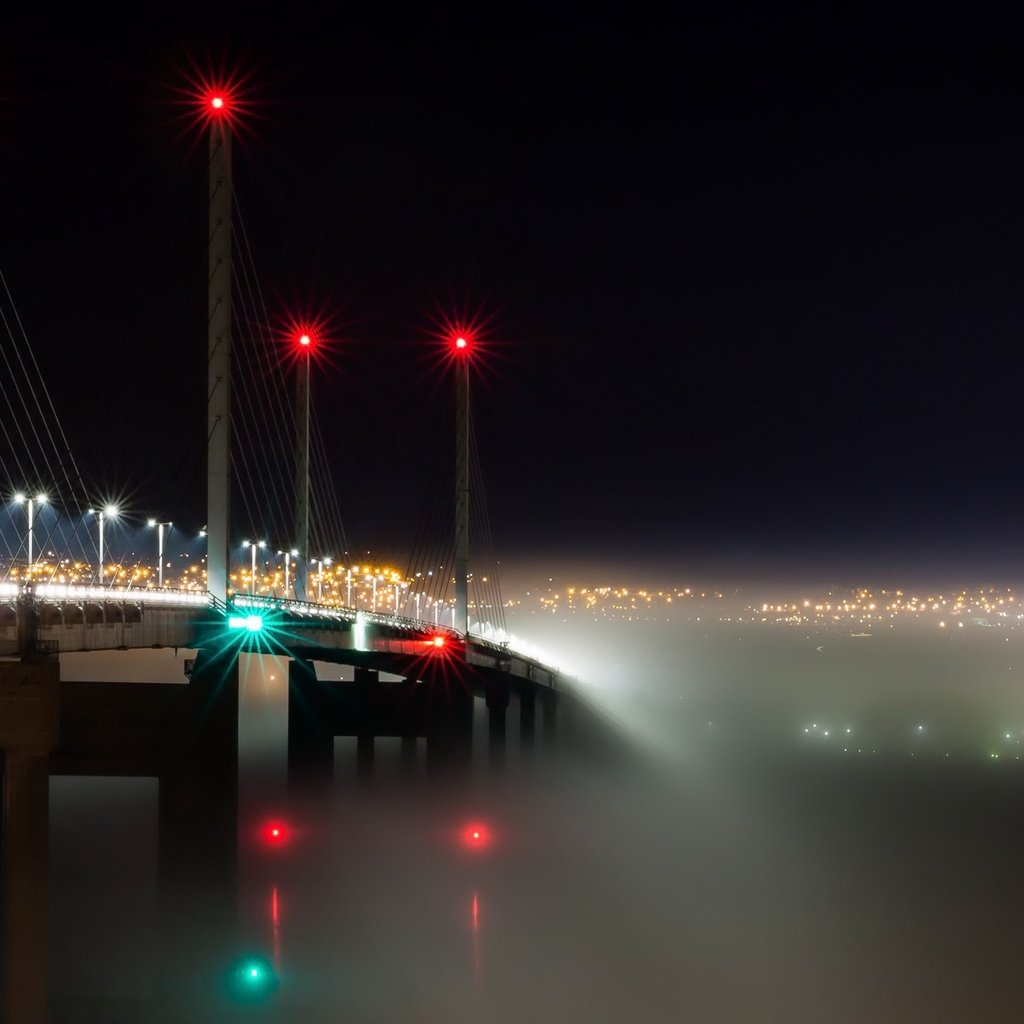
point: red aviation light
(437, 642)
(462, 344)
(217, 97)
(305, 338)
(217, 104)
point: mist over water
(753, 861)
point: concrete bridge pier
(497, 699)
(198, 847)
(310, 727)
(549, 715)
(408, 755)
(366, 684)
(29, 726)
(450, 727)
(527, 715)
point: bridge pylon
(218, 391)
(461, 348)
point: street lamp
(159, 550)
(321, 562)
(30, 503)
(288, 556)
(253, 545)
(102, 515)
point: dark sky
(751, 285)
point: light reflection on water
(743, 875)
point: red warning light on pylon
(437, 642)
(305, 337)
(217, 102)
(461, 344)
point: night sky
(750, 285)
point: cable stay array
(430, 571)
(41, 481)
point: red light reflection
(275, 833)
(476, 836)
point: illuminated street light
(288, 556)
(253, 545)
(321, 562)
(160, 550)
(102, 515)
(30, 503)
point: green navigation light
(252, 623)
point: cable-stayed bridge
(423, 644)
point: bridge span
(49, 619)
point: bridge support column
(310, 727)
(29, 726)
(527, 715)
(198, 843)
(408, 754)
(450, 739)
(365, 684)
(549, 715)
(497, 708)
(364, 756)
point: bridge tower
(218, 425)
(305, 342)
(462, 349)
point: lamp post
(320, 563)
(102, 515)
(30, 503)
(288, 556)
(159, 550)
(253, 545)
